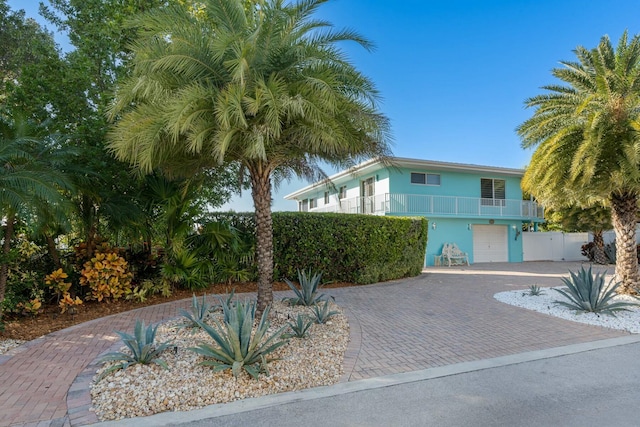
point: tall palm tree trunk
(6, 248)
(598, 248)
(623, 215)
(261, 192)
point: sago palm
(259, 82)
(585, 131)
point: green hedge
(347, 248)
(350, 248)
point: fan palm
(587, 143)
(258, 82)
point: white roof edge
(347, 172)
(374, 164)
(403, 161)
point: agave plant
(226, 305)
(142, 348)
(307, 295)
(322, 313)
(588, 293)
(198, 313)
(299, 328)
(535, 290)
(237, 348)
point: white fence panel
(572, 250)
(559, 246)
(553, 246)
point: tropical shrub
(141, 346)
(187, 270)
(25, 291)
(56, 282)
(237, 348)
(68, 303)
(309, 284)
(84, 251)
(231, 251)
(31, 307)
(144, 264)
(107, 275)
(147, 288)
(588, 250)
(230, 268)
(322, 313)
(587, 292)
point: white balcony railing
(442, 206)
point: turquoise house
(479, 208)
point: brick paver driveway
(448, 315)
(444, 316)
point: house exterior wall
(454, 206)
(459, 184)
(460, 232)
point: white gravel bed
(143, 390)
(8, 344)
(624, 320)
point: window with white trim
(493, 191)
(425, 178)
(326, 197)
(313, 203)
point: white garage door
(490, 243)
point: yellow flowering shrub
(67, 303)
(32, 307)
(56, 282)
(107, 275)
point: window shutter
(486, 188)
(499, 189)
(433, 179)
(418, 178)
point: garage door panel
(490, 243)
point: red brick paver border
(445, 316)
(36, 379)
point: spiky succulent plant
(236, 347)
(587, 292)
(307, 294)
(142, 347)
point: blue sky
(454, 74)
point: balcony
(437, 206)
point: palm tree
(587, 143)
(27, 184)
(256, 82)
